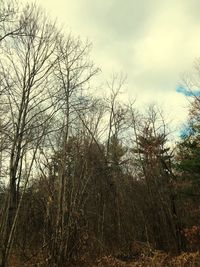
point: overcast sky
(152, 41)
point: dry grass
(159, 259)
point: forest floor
(158, 259)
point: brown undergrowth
(158, 259)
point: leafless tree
(72, 74)
(10, 23)
(26, 68)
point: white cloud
(153, 41)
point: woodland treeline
(83, 175)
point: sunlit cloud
(153, 42)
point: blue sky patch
(184, 91)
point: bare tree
(72, 74)
(10, 23)
(26, 68)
